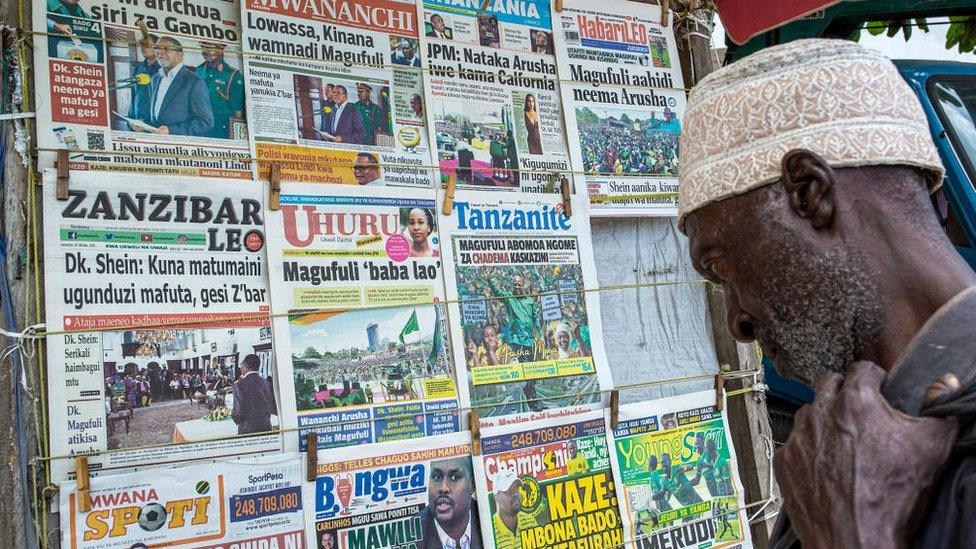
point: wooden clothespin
(475, 426)
(62, 166)
(567, 202)
(558, 6)
(448, 204)
(719, 391)
(83, 484)
(484, 5)
(274, 199)
(665, 12)
(311, 456)
(614, 408)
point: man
(522, 311)
(180, 104)
(450, 519)
(677, 482)
(141, 105)
(512, 157)
(225, 86)
(344, 124)
(366, 169)
(70, 8)
(576, 464)
(253, 402)
(658, 485)
(464, 157)
(405, 54)
(806, 201)
(509, 520)
(328, 540)
(438, 29)
(371, 113)
(497, 151)
(417, 106)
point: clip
(567, 203)
(614, 408)
(448, 204)
(83, 484)
(274, 198)
(484, 5)
(62, 183)
(665, 12)
(475, 426)
(311, 456)
(558, 6)
(719, 390)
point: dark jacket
(349, 127)
(945, 344)
(186, 107)
(253, 404)
(432, 541)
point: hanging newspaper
(493, 94)
(166, 99)
(676, 475)
(527, 339)
(413, 494)
(335, 92)
(223, 505)
(548, 485)
(160, 291)
(362, 349)
(624, 101)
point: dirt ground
(154, 423)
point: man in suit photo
(180, 103)
(438, 29)
(253, 402)
(450, 519)
(346, 124)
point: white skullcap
(504, 480)
(836, 98)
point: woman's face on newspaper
(418, 226)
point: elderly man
(804, 183)
(179, 103)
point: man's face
(365, 170)
(415, 103)
(510, 501)
(213, 56)
(437, 22)
(340, 95)
(362, 94)
(407, 49)
(449, 491)
(169, 54)
(328, 541)
(519, 285)
(807, 299)
(330, 92)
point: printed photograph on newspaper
(548, 485)
(624, 100)
(527, 341)
(676, 475)
(412, 494)
(335, 91)
(493, 94)
(252, 502)
(363, 349)
(150, 87)
(158, 298)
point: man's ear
(809, 182)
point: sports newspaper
(492, 93)
(393, 494)
(160, 289)
(624, 102)
(173, 98)
(676, 475)
(363, 351)
(255, 502)
(548, 485)
(527, 341)
(335, 91)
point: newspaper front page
(527, 342)
(363, 350)
(677, 476)
(493, 94)
(173, 99)
(548, 485)
(335, 91)
(405, 495)
(250, 503)
(161, 294)
(622, 89)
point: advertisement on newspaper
(527, 340)
(622, 89)
(493, 94)
(335, 91)
(254, 502)
(676, 475)
(157, 296)
(363, 351)
(151, 86)
(412, 494)
(548, 485)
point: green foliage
(311, 353)
(961, 33)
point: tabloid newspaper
(493, 104)
(677, 476)
(398, 495)
(622, 90)
(174, 101)
(548, 485)
(251, 503)
(161, 291)
(335, 91)
(527, 341)
(362, 350)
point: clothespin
(311, 456)
(83, 484)
(558, 6)
(449, 194)
(719, 390)
(62, 183)
(567, 203)
(614, 408)
(475, 426)
(274, 199)
(484, 5)
(665, 12)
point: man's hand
(856, 472)
(162, 130)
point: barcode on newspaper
(572, 36)
(96, 141)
